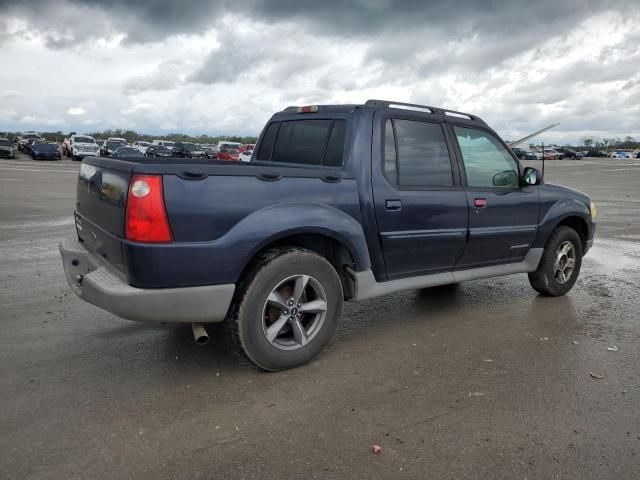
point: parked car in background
(621, 154)
(519, 152)
(187, 150)
(229, 154)
(24, 140)
(551, 154)
(44, 150)
(245, 156)
(209, 152)
(81, 146)
(125, 151)
(7, 150)
(532, 156)
(65, 147)
(570, 153)
(142, 146)
(595, 153)
(163, 143)
(29, 144)
(110, 145)
(158, 151)
(234, 145)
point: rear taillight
(146, 217)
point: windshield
(113, 144)
(190, 147)
(83, 140)
(144, 144)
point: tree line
(606, 143)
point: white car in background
(142, 146)
(245, 156)
(81, 146)
(163, 143)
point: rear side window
(304, 142)
(420, 152)
(269, 139)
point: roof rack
(422, 108)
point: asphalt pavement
(486, 380)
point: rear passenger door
(421, 209)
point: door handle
(393, 205)
(480, 202)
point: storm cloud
(225, 66)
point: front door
(503, 214)
(421, 208)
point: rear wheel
(287, 309)
(560, 264)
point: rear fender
(275, 222)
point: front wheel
(560, 264)
(287, 309)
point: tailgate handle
(270, 176)
(193, 175)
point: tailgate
(100, 206)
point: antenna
(543, 160)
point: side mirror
(508, 178)
(531, 176)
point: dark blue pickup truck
(339, 202)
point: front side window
(487, 163)
(416, 154)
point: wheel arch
(579, 225)
(337, 252)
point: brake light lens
(146, 216)
(308, 109)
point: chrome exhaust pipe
(200, 333)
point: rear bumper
(100, 284)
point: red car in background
(244, 148)
(230, 154)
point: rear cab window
(304, 142)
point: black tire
(246, 317)
(544, 279)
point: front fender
(559, 211)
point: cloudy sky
(223, 67)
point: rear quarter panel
(220, 222)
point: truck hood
(561, 190)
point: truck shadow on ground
(171, 342)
